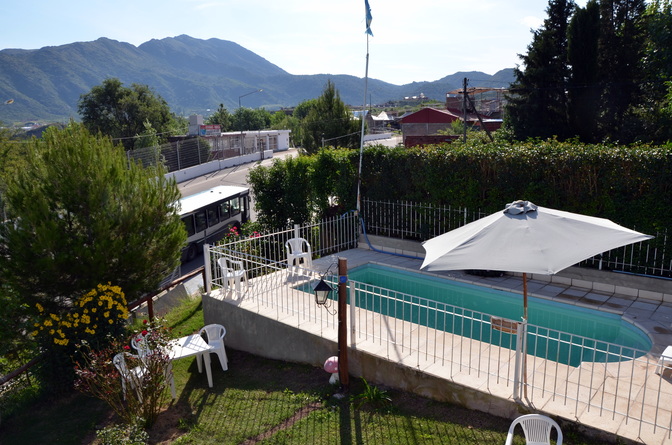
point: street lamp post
(247, 94)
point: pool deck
(652, 316)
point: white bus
(209, 215)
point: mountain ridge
(192, 75)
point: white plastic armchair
(298, 252)
(129, 376)
(139, 343)
(133, 376)
(213, 334)
(537, 429)
(233, 271)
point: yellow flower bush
(82, 322)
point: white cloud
(532, 22)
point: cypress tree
(620, 64)
(583, 91)
(538, 104)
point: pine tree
(83, 216)
(621, 52)
(583, 91)
(538, 103)
(328, 119)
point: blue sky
(416, 40)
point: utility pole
(464, 108)
(480, 119)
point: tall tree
(121, 113)
(221, 117)
(621, 51)
(83, 216)
(582, 56)
(329, 120)
(538, 104)
(248, 119)
(657, 91)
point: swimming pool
(561, 332)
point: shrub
(94, 318)
(132, 434)
(145, 392)
(373, 397)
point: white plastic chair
(133, 376)
(537, 429)
(213, 335)
(129, 376)
(664, 360)
(232, 272)
(139, 343)
(298, 250)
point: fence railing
(605, 379)
(420, 222)
(187, 153)
(325, 237)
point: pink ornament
(331, 365)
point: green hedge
(627, 184)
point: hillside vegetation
(190, 74)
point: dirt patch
(168, 426)
(300, 414)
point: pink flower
(144, 321)
(144, 332)
(127, 347)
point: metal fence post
(177, 155)
(353, 307)
(521, 351)
(207, 269)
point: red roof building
(422, 127)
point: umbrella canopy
(526, 238)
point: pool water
(587, 334)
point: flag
(368, 17)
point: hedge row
(631, 185)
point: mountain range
(192, 75)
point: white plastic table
(189, 346)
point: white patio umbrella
(526, 238)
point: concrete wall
(250, 332)
(213, 166)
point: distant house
(234, 143)
(380, 122)
(374, 124)
(422, 127)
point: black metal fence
(420, 222)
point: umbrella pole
(524, 296)
(524, 342)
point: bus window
(235, 206)
(201, 222)
(213, 217)
(224, 210)
(189, 224)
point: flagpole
(367, 12)
(361, 142)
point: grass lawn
(260, 401)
